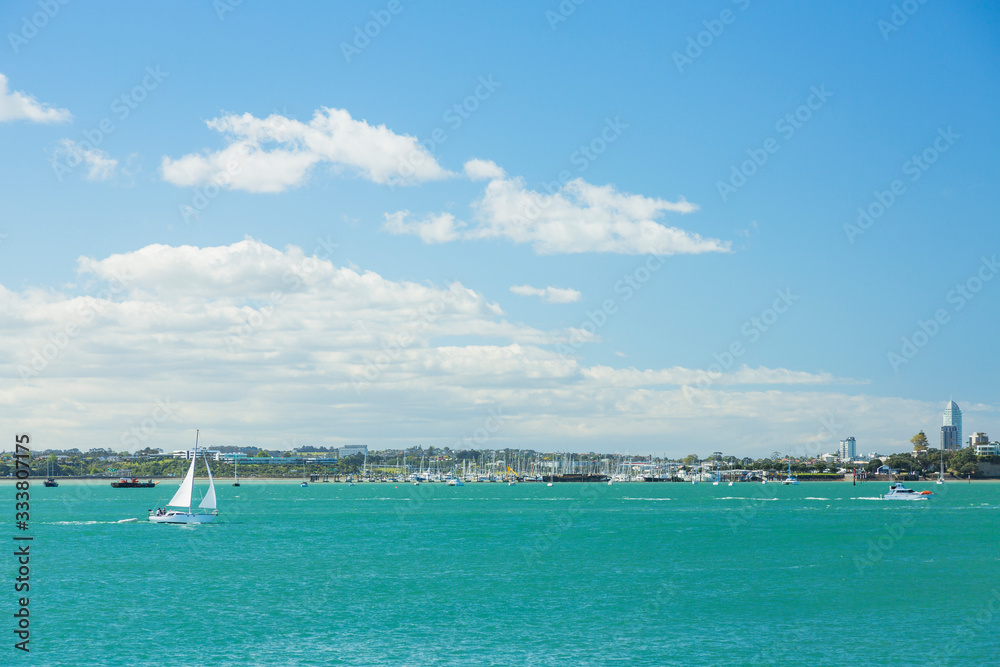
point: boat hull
(182, 517)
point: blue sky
(408, 162)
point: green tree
(964, 462)
(873, 465)
(262, 454)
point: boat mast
(195, 459)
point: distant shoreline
(227, 481)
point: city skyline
(647, 231)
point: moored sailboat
(182, 499)
(790, 479)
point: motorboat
(899, 492)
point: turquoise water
(486, 574)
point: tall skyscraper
(953, 417)
(949, 437)
(848, 449)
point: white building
(848, 449)
(189, 453)
(988, 449)
(977, 439)
(350, 450)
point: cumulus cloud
(255, 344)
(483, 170)
(573, 218)
(548, 294)
(276, 153)
(15, 105)
(433, 228)
(100, 165)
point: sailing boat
(236, 469)
(791, 479)
(304, 466)
(940, 479)
(183, 498)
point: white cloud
(434, 228)
(483, 170)
(578, 217)
(256, 345)
(276, 153)
(581, 217)
(548, 294)
(15, 105)
(100, 165)
(687, 377)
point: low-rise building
(977, 439)
(189, 453)
(988, 449)
(350, 450)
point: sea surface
(824, 573)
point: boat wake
(82, 523)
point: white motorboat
(183, 499)
(899, 492)
(454, 481)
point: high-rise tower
(953, 417)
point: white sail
(183, 496)
(208, 502)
